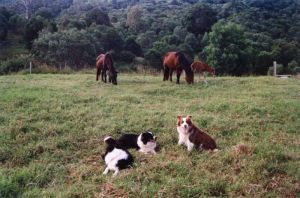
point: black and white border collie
(115, 157)
(192, 136)
(145, 142)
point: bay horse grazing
(203, 67)
(177, 61)
(104, 64)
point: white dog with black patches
(145, 142)
(115, 157)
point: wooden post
(30, 67)
(274, 68)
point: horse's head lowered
(110, 66)
(211, 70)
(189, 74)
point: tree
(17, 24)
(180, 32)
(288, 52)
(199, 19)
(73, 48)
(77, 48)
(98, 17)
(132, 46)
(26, 7)
(227, 49)
(3, 27)
(154, 58)
(146, 40)
(4, 17)
(171, 39)
(44, 12)
(192, 41)
(32, 29)
(134, 20)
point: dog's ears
(189, 118)
(179, 117)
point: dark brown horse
(203, 67)
(105, 66)
(177, 61)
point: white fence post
(274, 68)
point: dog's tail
(110, 141)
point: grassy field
(52, 126)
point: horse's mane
(109, 62)
(184, 63)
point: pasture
(52, 126)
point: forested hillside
(235, 37)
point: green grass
(52, 126)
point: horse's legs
(98, 73)
(204, 75)
(166, 73)
(109, 77)
(171, 73)
(200, 73)
(103, 75)
(178, 75)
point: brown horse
(177, 61)
(203, 67)
(105, 66)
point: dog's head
(147, 137)
(147, 142)
(184, 122)
(110, 141)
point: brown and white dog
(192, 136)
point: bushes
(76, 48)
(13, 65)
(3, 27)
(293, 67)
(125, 56)
(279, 70)
(154, 58)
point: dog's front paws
(115, 173)
(105, 171)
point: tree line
(235, 37)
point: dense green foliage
(228, 49)
(4, 17)
(52, 129)
(235, 37)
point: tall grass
(52, 126)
